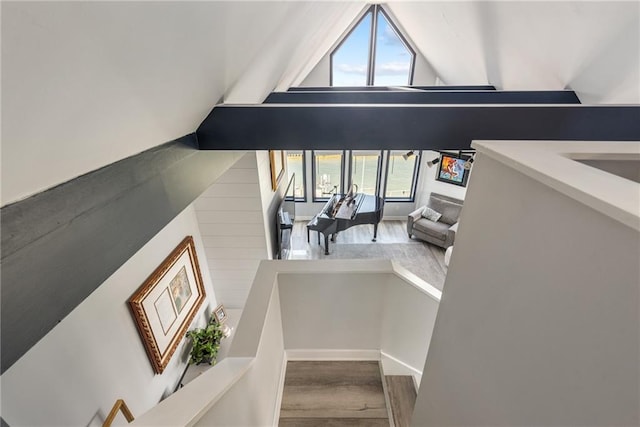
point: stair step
(330, 390)
(333, 422)
(402, 398)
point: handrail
(118, 406)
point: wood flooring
(402, 398)
(345, 394)
(333, 393)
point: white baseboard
(393, 366)
(329, 354)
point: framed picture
(166, 303)
(452, 170)
(277, 160)
(220, 314)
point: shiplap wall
(232, 225)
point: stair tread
(333, 389)
(333, 422)
(402, 398)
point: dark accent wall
(58, 246)
(426, 97)
(427, 127)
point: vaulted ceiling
(85, 84)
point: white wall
(539, 320)
(591, 47)
(94, 356)
(232, 223)
(332, 311)
(319, 76)
(342, 313)
(87, 84)
(236, 216)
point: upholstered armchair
(437, 224)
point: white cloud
(389, 37)
(392, 68)
(352, 69)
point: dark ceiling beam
(386, 88)
(426, 97)
(428, 127)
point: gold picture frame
(166, 303)
(276, 158)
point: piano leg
(326, 244)
(375, 232)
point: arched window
(373, 53)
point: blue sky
(392, 61)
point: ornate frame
(166, 303)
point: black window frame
(403, 39)
(374, 10)
(302, 199)
(378, 173)
(313, 175)
(414, 182)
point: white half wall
(94, 356)
(355, 314)
(408, 316)
(539, 321)
(332, 311)
(260, 386)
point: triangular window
(373, 53)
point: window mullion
(372, 45)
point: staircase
(345, 393)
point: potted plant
(206, 343)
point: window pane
(350, 62)
(328, 173)
(393, 59)
(295, 162)
(364, 171)
(400, 176)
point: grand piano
(342, 212)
